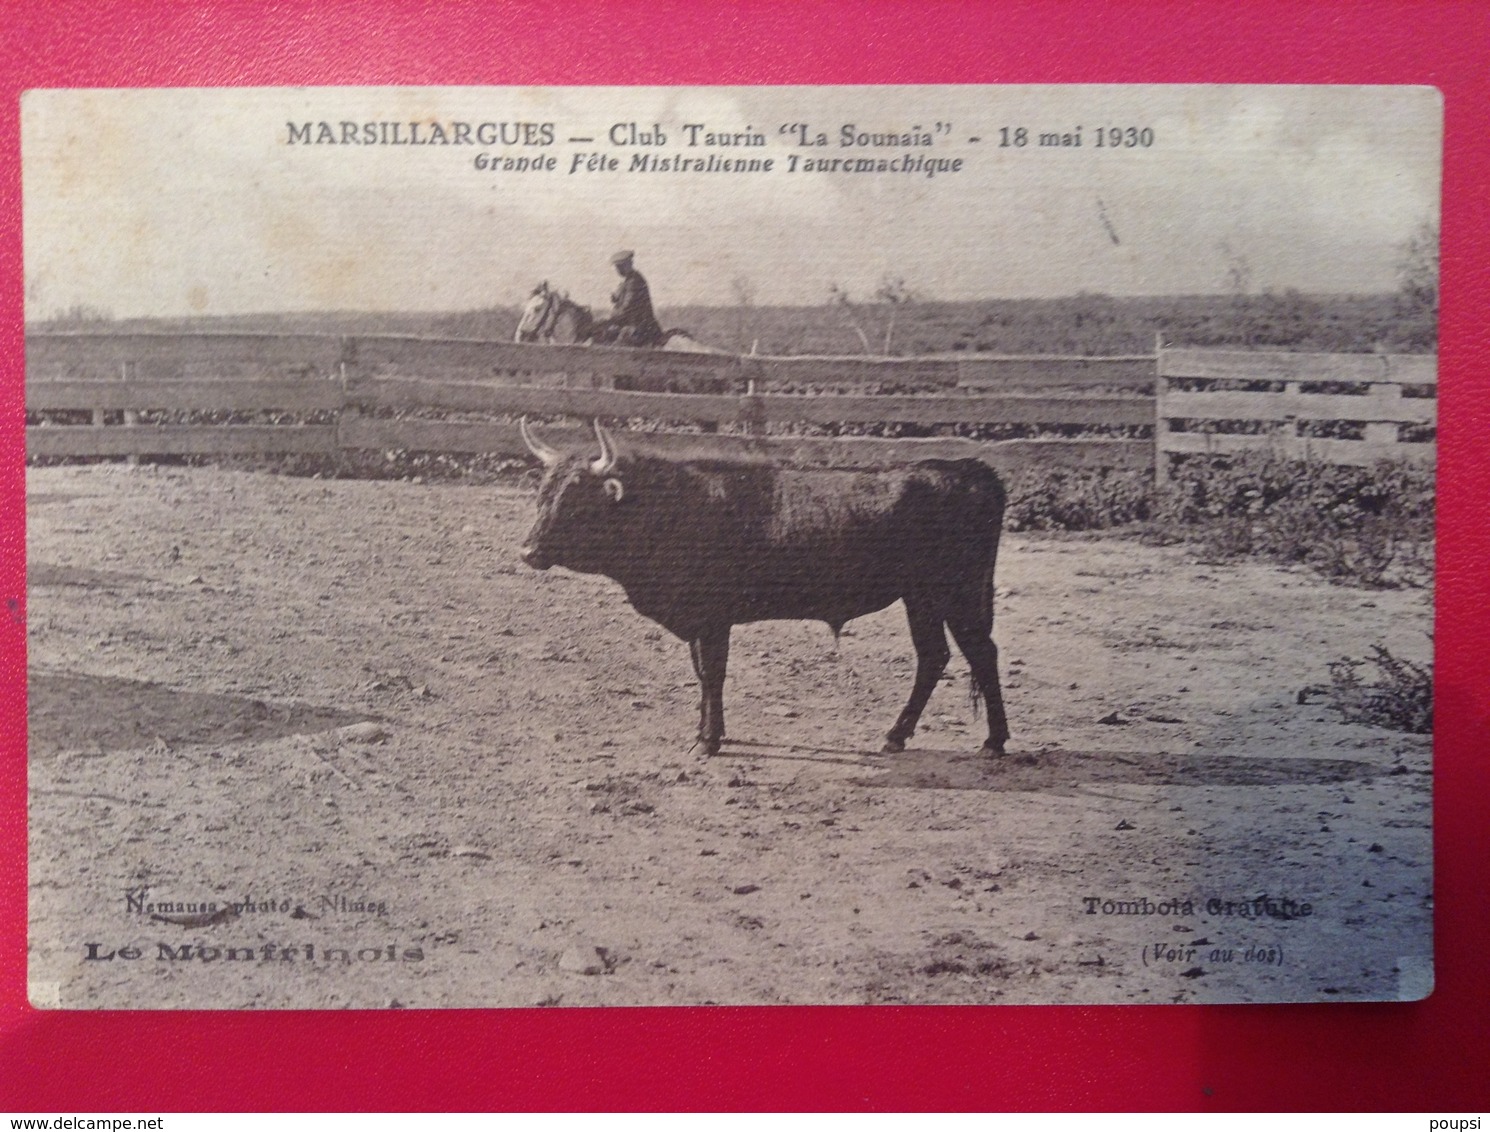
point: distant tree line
(899, 319)
(1087, 323)
(1092, 324)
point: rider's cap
(622, 257)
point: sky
(230, 201)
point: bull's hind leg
(694, 654)
(932, 655)
(710, 653)
(972, 629)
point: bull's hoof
(893, 746)
(990, 748)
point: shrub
(1367, 525)
(1059, 499)
(1370, 526)
(1401, 697)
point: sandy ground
(302, 743)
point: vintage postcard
(774, 545)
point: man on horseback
(632, 321)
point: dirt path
(432, 777)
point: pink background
(1424, 1056)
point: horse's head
(550, 315)
(538, 313)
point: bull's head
(574, 504)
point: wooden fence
(1333, 408)
(388, 392)
(57, 356)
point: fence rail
(751, 408)
(106, 356)
(380, 392)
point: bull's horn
(549, 456)
(605, 463)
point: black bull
(700, 546)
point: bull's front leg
(710, 653)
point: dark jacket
(632, 318)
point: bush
(1368, 525)
(1401, 697)
(1059, 499)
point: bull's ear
(549, 456)
(605, 463)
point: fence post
(346, 363)
(347, 411)
(1161, 422)
(98, 418)
(1292, 426)
(752, 410)
(131, 416)
(1384, 432)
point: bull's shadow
(1057, 770)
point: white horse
(551, 316)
